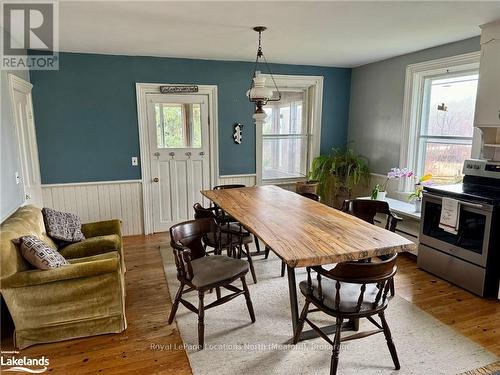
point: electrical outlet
(18, 178)
(135, 161)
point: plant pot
(418, 205)
(307, 186)
(340, 195)
(381, 195)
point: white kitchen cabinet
(488, 93)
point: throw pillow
(62, 226)
(39, 254)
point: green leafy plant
(377, 189)
(338, 172)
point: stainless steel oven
(472, 241)
(471, 257)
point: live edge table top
(303, 232)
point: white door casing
(148, 186)
(179, 173)
(22, 108)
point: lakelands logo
(30, 35)
(23, 364)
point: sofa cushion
(63, 226)
(92, 246)
(39, 254)
(27, 220)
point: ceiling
(344, 34)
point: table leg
(292, 289)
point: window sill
(283, 181)
(402, 208)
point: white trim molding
(412, 102)
(314, 85)
(142, 89)
(92, 183)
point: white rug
(235, 346)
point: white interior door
(180, 155)
(22, 105)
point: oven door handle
(461, 202)
(474, 205)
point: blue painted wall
(86, 113)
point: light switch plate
(135, 161)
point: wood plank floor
(150, 346)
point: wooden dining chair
(367, 209)
(201, 273)
(350, 290)
(236, 186)
(233, 237)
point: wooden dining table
(303, 232)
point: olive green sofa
(84, 298)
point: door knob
(156, 179)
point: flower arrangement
(394, 173)
(419, 187)
(417, 195)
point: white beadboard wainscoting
(95, 201)
(249, 180)
(244, 179)
(104, 200)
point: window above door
(178, 125)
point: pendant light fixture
(258, 92)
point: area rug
(235, 346)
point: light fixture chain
(272, 78)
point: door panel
(180, 165)
(26, 136)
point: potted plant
(338, 173)
(379, 192)
(417, 195)
(309, 186)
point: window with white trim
(285, 135)
(446, 125)
(438, 118)
(289, 138)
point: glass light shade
(259, 91)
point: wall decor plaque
(180, 89)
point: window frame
(312, 113)
(304, 134)
(423, 139)
(413, 106)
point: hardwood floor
(147, 308)
(150, 346)
(474, 317)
